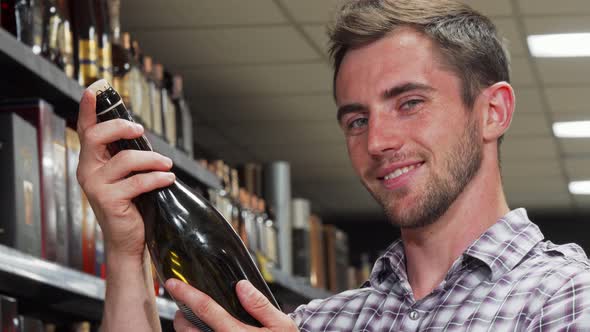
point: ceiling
(258, 79)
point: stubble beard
(462, 164)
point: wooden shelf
(61, 288)
(295, 287)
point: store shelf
(59, 287)
(297, 286)
(25, 74)
(183, 162)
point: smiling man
(423, 95)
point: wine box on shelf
(337, 258)
(316, 248)
(300, 212)
(19, 185)
(75, 200)
(9, 314)
(58, 131)
(88, 238)
(40, 114)
(30, 324)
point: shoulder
(565, 286)
(568, 259)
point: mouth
(399, 176)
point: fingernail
(171, 284)
(247, 288)
(171, 176)
(168, 162)
(139, 127)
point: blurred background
(239, 95)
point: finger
(257, 305)
(183, 325)
(87, 112)
(111, 131)
(128, 161)
(93, 152)
(138, 184)
(203, 306)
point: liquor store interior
(281, 176)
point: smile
(401, 171)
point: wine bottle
(103, 28)
(24, 20)
(65, 39)
(121, 53)
(52, 22)
(184, 119)
(168, 107)
(186, 236)
(141, 86)
(85, 45)
(8, 15)
(154, 96)
(160, 100)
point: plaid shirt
(507, 280)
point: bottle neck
(110, 106)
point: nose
(383, 135)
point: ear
(498, 110)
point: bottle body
(105, 67)
(188, 239)
(65, 38)
(52, 21)
(86, 43)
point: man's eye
(358, 123)
(411, 104)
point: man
(423, 100)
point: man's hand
(220, 320)
(129, 301)
(106, 183)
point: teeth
(399, 172)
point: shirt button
(414, 315)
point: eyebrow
(387, 94)
(349, 108)
(405, 87)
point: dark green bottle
(188, 239)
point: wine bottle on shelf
(184, 118)
(103, 28)
(24, 19)
(114, 8)
(85, 42)
(155, 96)
(186, 236)
(52, 21)
(270, 236)
(245, 216)
(8, 15)
(65, 39)
(233, 198)
(168, 107)
(121, 53)
(160, 101)
(141, 93)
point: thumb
(257, 305)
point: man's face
(409, 136)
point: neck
(431, 250)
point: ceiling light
(572, 129)
(559, 45)
(580, 187)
